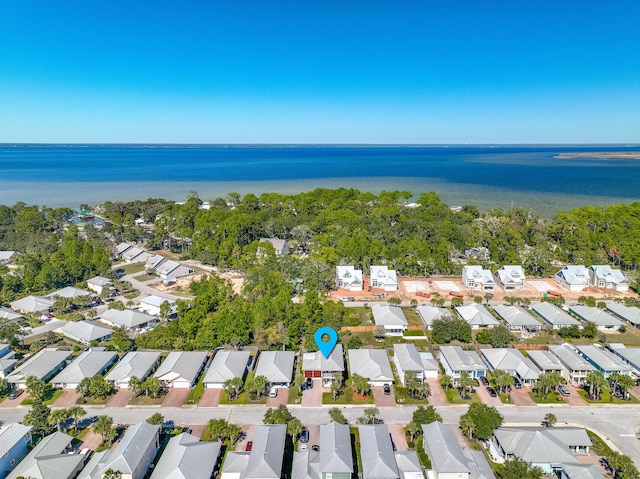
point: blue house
(14, 442)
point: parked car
(273, 392)
(304, 435)
(315, 447)
(518, 385)
(15, 394)
(492, 392)
(309, 383)
(249, 446)
(564, 390)
(483, 380)
(387, 390)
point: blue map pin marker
(326, 347)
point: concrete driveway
(520, 397)
(211, 397)
(281, 399)
(398, 437)
(574, 399)
(483, 395)
(313, 397)
(437, 396)
(175, 397)
(15, 402)
(121, 398)
(381, 399)
(248, 431)
(68, 398)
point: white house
(476, 278)
(510, 278)
(384, 278)
(315, 365)
(279, 245)
(407, 359)
(545, 361)
(91, 362)
(602, 319)
(135, 363)
(85, 332)
(554, 316)
(277, 367)
(226, 365)
(513, 362)
(349, 278)
(573, 277)
(389, 317)
(170, 270)
(454, 359)
(517, 318)
(265, 459)
(99, 283)
(626, 313)
(128, 318)
(52, 458)
(32, 304)
(151, 305)
(181, 369)
(10, 314)
(187, 457)
(429, 314)
(604, 276)
(69, 292)
(372, 364)
(575, 367)
(6, 256)
(477, 316)
(604, 361)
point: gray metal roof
(630, 356)
(512, 361)
(476, 315)
(602, 359)
(10, 435)
(570, 358)
(408, 357)
(388, 315)
(85, 331)
(595, 315)
(443, 449)
(186, 457)
(32, 304)
(183, 365)
(99, 281)
(305, 465)
(516, 316)
(628, 313)
(87, 365)
(461, 360)
(48, 460)
(227, 365)
(265, 460)
(480, 467)
(134, 363)
(544, 360)
(276, 366)
(335, 448)
(70, 292)
(39, 365)
(376, 452)
(430, 313)
(553, 315)
(582, 471)
(608, 274)
(236, 463)
(372, 364)
(11, 315)
(127, 318)
(540, 445)
(408, 465)
(317, 362)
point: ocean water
(502, 176)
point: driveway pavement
(313, 397)
(248, 430)
(211, 397)
(381, 399)
(281, 399)
(437, 396)
(175, 397)
(574, 399)
(14, 402)
(68, 398)
(121, 398)
(91, 440)
(520, 397)
(483, 395)
(398, 437)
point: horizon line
(290, 145)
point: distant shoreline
(625, 155)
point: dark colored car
(315, 447)
(309, 383)
(304, 435)
(484, 381)
(249, 446)
(518, 385)
(15, 394)
(387, 389)
(492, 392)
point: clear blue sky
(320, 71)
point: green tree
(482, 420)
(336, 415)
(425, 415)
(446, 382)
(99, 387)
(135, 384)
(360, 385)
(550, 419)
(500, 380)
(233, 387)
(500, 336)
(590, 330)
(36, 388)
(279, 415)
(57, 417)
(156, 419)
(84, 387)
(76, 412)
(596, 382)
(111, 474)
(37, 418)
(257, 386)
(519, 469)
(465, 383)
(104, 426)
(152, 386)
(370, 416)
(294, 427)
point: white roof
(388, 315)
(122, 247)
(127, 318)
(476, 315)
(408, 357)
(317, 362)
(10, 435)
(478, 273)
(461, 360)
(227, 365)
(134, 363)
(516, 316)
(603, 359)
(99, 281)
(628, 313)
(85, 331)
(6, 255)
(335, 454)
(511, 274)
(596, 315)
(33, 304)
(11, 315)
(349, 274)
(154, 260)
(183, 365)
(276, 366)
(186, 457)
(70, 292)
(607, 273)
(154, 300)
(443, 449)
(266, 457)
(87, 365)
(553, 315)
(575, 274)
(277, 243)
(430, 313)
(372, 364)
(39, 365)
(542, 445)
(512, 361)
(384, 274)
(132, 253)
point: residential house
(10, 315)
(602, 319)
(181, 369)
(265, 459)
(132, 456)
(384, 278)
(86, 332)
(69, 292)
(277, 367)
(33, 305)
(7, 257)
(454, 359)
(604, 276)
(407, 359)
(581, 471)
(305, 464)
(43, 365)
(477, 316)
(226, 365)
(186, 457)
(517, 318)
(573, 277)
(135, 255)
(315, 365)
(448, 459)
(476, 278)
(98, 284)
(629, 356)
(429, 314)
(8, 360)
(510, 278)
(279, 245)
(575, 367)
(376, 452)
(626, 313)
(90, 363)
(171, 270)
(372, 364)
(135, 363)
(349, 278)
(554, 316)
(52, 458)
(336, 457)
(545, 361)
(151, 305)
(390, 318)
(128, 318)
(15, 440)
(121, 248)
(513, 362)
(545, 447)
(604, 361)
(153, 262)
(408, 464)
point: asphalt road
(614, 424)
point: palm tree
(446, 382)
(57, 417)
(233, 387)
(625, 383)
(75, 412)
(596, 382)
(550, 419)
(465, 383)
(466, 424)
(134, 385)
(102, 426)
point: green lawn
(606, 398)
(146, 401)
(599, 446)
(345, 398)
(363, 315)
(412, 317)
(422, 455)
(196, 393)
(146, 277)
(454, 397)
(402, 397)
(133, 295)
(50, 396)
(542, 337)
(94, 401)
(629, 338)
(553, 398)
(132, 268)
